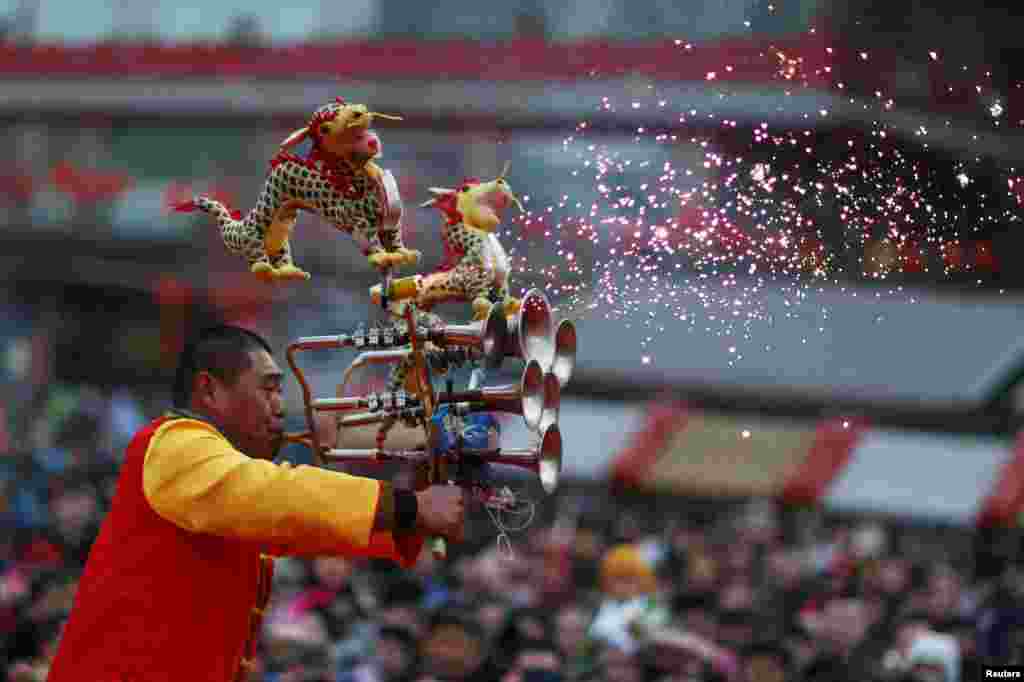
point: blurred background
(787, 232)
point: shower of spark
(660, 244)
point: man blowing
(176, 583)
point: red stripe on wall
(1006, 500)
(664, 421)
(733, 59)
(834, 443)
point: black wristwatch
(406, 511)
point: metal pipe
(365, 418)
(307, 398)
(323, 342)
(369, 454)
(338, 404)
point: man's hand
(442, 511)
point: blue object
(480, 431)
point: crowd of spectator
(590, 592)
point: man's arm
(194, 478)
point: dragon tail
(230, 221)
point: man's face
(763, 668)
(532, 660)
(701, 622)
(622, 587)
(403, 616)
(928, 672)
(452, 653)
(332, 572)
(74, 510)
(570, 630)
(251, 410)
(393, 658)
(620, 667)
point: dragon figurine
(337, 180)
(476, 268)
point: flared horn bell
(489, 337)
(549, 463)
(536, 397)
(530, 330)
(545, 459)
(532, 394)
(527, 399)
(552, 403)
(565, 352)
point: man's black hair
(223, 351)
(401, 591)
(400, 634)
(693, 600)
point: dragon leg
(280, 229)
(284, 268)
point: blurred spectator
(296, 650)
(454, 649)
(767, 661)
(570, 637)
(521, 626)
(629, 602)
(538, 662)
(395, 658)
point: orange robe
(176, 581)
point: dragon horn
(504, 171)
(386, 116)
(295, 138)
(438, 192)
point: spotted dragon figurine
(337, 180)
(477, 267)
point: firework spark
(659, 243)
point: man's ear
(205, 391)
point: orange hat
(627, 560)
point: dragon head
(342, 130)
(475, 203)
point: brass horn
(529, 330)
(535, 397)
(565, 352)
(488, 336)
(545, 459)
(552, 402)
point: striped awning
(843, 464)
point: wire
(509, 503)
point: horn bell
(565, 352)
(526, 398)
(530, 330)
(545, 459)
(489, 337)
(532, 395)
(536, 397)
(549, 461)
(552, 403)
